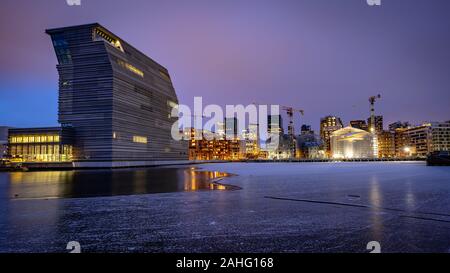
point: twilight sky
(324, 56)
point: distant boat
(441, 158)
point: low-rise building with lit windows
(419, 140)
(440, 136)
(206, 145)
(386, 144)
(52, 144)
(427, 138)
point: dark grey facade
(117, 99)
(3, 141)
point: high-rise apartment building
(275, 124)
(398, 125)
(231, 128)
(386, 144)
(378, 124)
(328, 125)
(359, 124)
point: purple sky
(324, 56)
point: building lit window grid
(39, 148)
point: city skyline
(265, 53)
(229, 134)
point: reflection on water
(89, 183)
(375, 198)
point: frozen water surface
(282, 207)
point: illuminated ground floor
(50, 144)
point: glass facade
(62, 49)
(38, 148)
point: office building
(386, 144)
(220, 130)
(378, 124)
(427, 138)
(401, 141)
(206, 145)
(114, 106)
(328, 125)
(278, 145)
(251, 147)
(306, 129)
(440, 136)
(309, 144)
(398, 125)
(359, 124)
(115, 101)
(275, 124)
(231, 128)
(419, 140)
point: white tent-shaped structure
(351, 143)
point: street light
(407, 150)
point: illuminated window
(139, 139)
(131, 68)
(100, 35)
(50, 138)
(56, 138)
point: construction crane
(372, 101)
(291, 131)
(372, 128)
